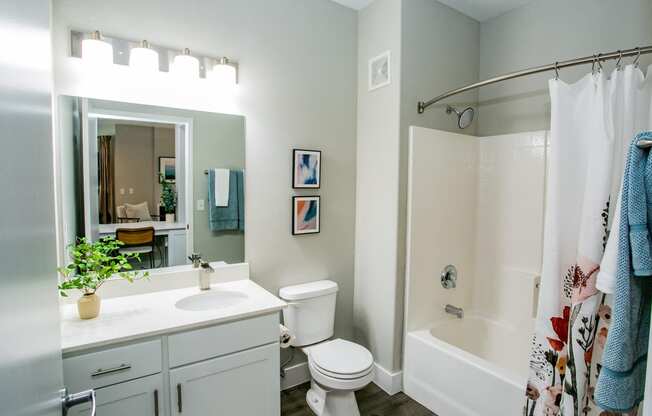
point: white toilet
(338, 367)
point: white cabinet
(227, 370)
(176, 242)
(140, 397)
(243, 384)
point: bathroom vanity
(178, 352)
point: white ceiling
(479, 10)
(354, 4)
(482, 10)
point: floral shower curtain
(592, 123)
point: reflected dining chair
(137, 240)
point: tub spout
(454, 310)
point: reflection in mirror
(165, 182)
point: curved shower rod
(593, 59)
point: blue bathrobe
(621, 383)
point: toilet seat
(340, 359)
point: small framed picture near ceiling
(305, 215)
(167, 169)
(380, 71)
(306, 172)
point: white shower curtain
(592, 123)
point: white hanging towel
(222, 187)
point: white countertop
(133, 317)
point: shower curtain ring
(599, 61)
(593, 65)
(638, 56)
(620, 59)
(556, 70)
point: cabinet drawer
(201, 344)
(141, 397)
(112, 366)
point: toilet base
(331, 402)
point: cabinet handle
(156, 402)
(179, 400)
(102, 372)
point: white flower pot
(169, 218)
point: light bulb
(143, 58)
(97, 51)
(185, 65)
(223, 73)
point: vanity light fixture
(185, 65)
(223, 73)
(148, 58)
(144, 58)
(97, 51)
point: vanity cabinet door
(242, 384)
(141, 397)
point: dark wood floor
(372, 401)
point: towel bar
(644, 144)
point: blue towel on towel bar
(621, 383)
(230, 217)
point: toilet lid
(341, 357)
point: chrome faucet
(207, 267)
(454, 310)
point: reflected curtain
(592, 124)
(106, 180)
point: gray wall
(136, 162)
(376, 321)
(133, 162)
(543, 32)
(297, 89)
(219, 143)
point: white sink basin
(212, 299)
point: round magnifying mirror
(465, 118)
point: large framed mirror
(167, 183)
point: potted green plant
(168, 200)
(92, 265)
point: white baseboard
(295, 375)
(391, 383)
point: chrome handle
(102, 372)
(449, 277)
(156, 402)
(71, 400)
(179, 400)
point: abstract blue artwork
(306, 172)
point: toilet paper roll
(285, 338)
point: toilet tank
(310, 315)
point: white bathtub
(468, 367)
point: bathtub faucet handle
(449, 277)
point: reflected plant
(168, 196)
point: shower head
(464, 117)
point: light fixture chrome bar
(122, 47)
(594, 59)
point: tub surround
(490, 228)
(130, 318)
